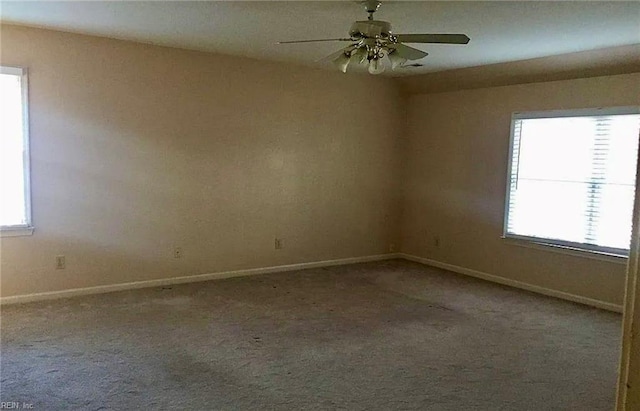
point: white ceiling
(500, 31)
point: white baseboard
(513, 283)
(26, 298)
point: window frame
(567, 247)
(27, 228)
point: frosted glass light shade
(342, 62)
(376, 66)
(396, 61)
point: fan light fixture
(371, 40)
(371, 59)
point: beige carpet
(387, 335)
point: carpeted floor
(385, 335)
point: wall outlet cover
(61, 262)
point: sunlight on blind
(573, 179)
(12, 177)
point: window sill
(576, 252)
(16, 231)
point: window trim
(538, 244)
(22, 229)
(581, 249)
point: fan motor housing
(371, 29)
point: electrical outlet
(279, 244)
(177, 252)
(436, 241)
(60, 262)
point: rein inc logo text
(15, 405)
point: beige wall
(137, 149)
(455, 180)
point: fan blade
(407, 52)
(311, 41)
(433, 38)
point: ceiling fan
(372, 39)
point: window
(15, 212)
(572, 178)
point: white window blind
(572, 178)
(14, 153)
